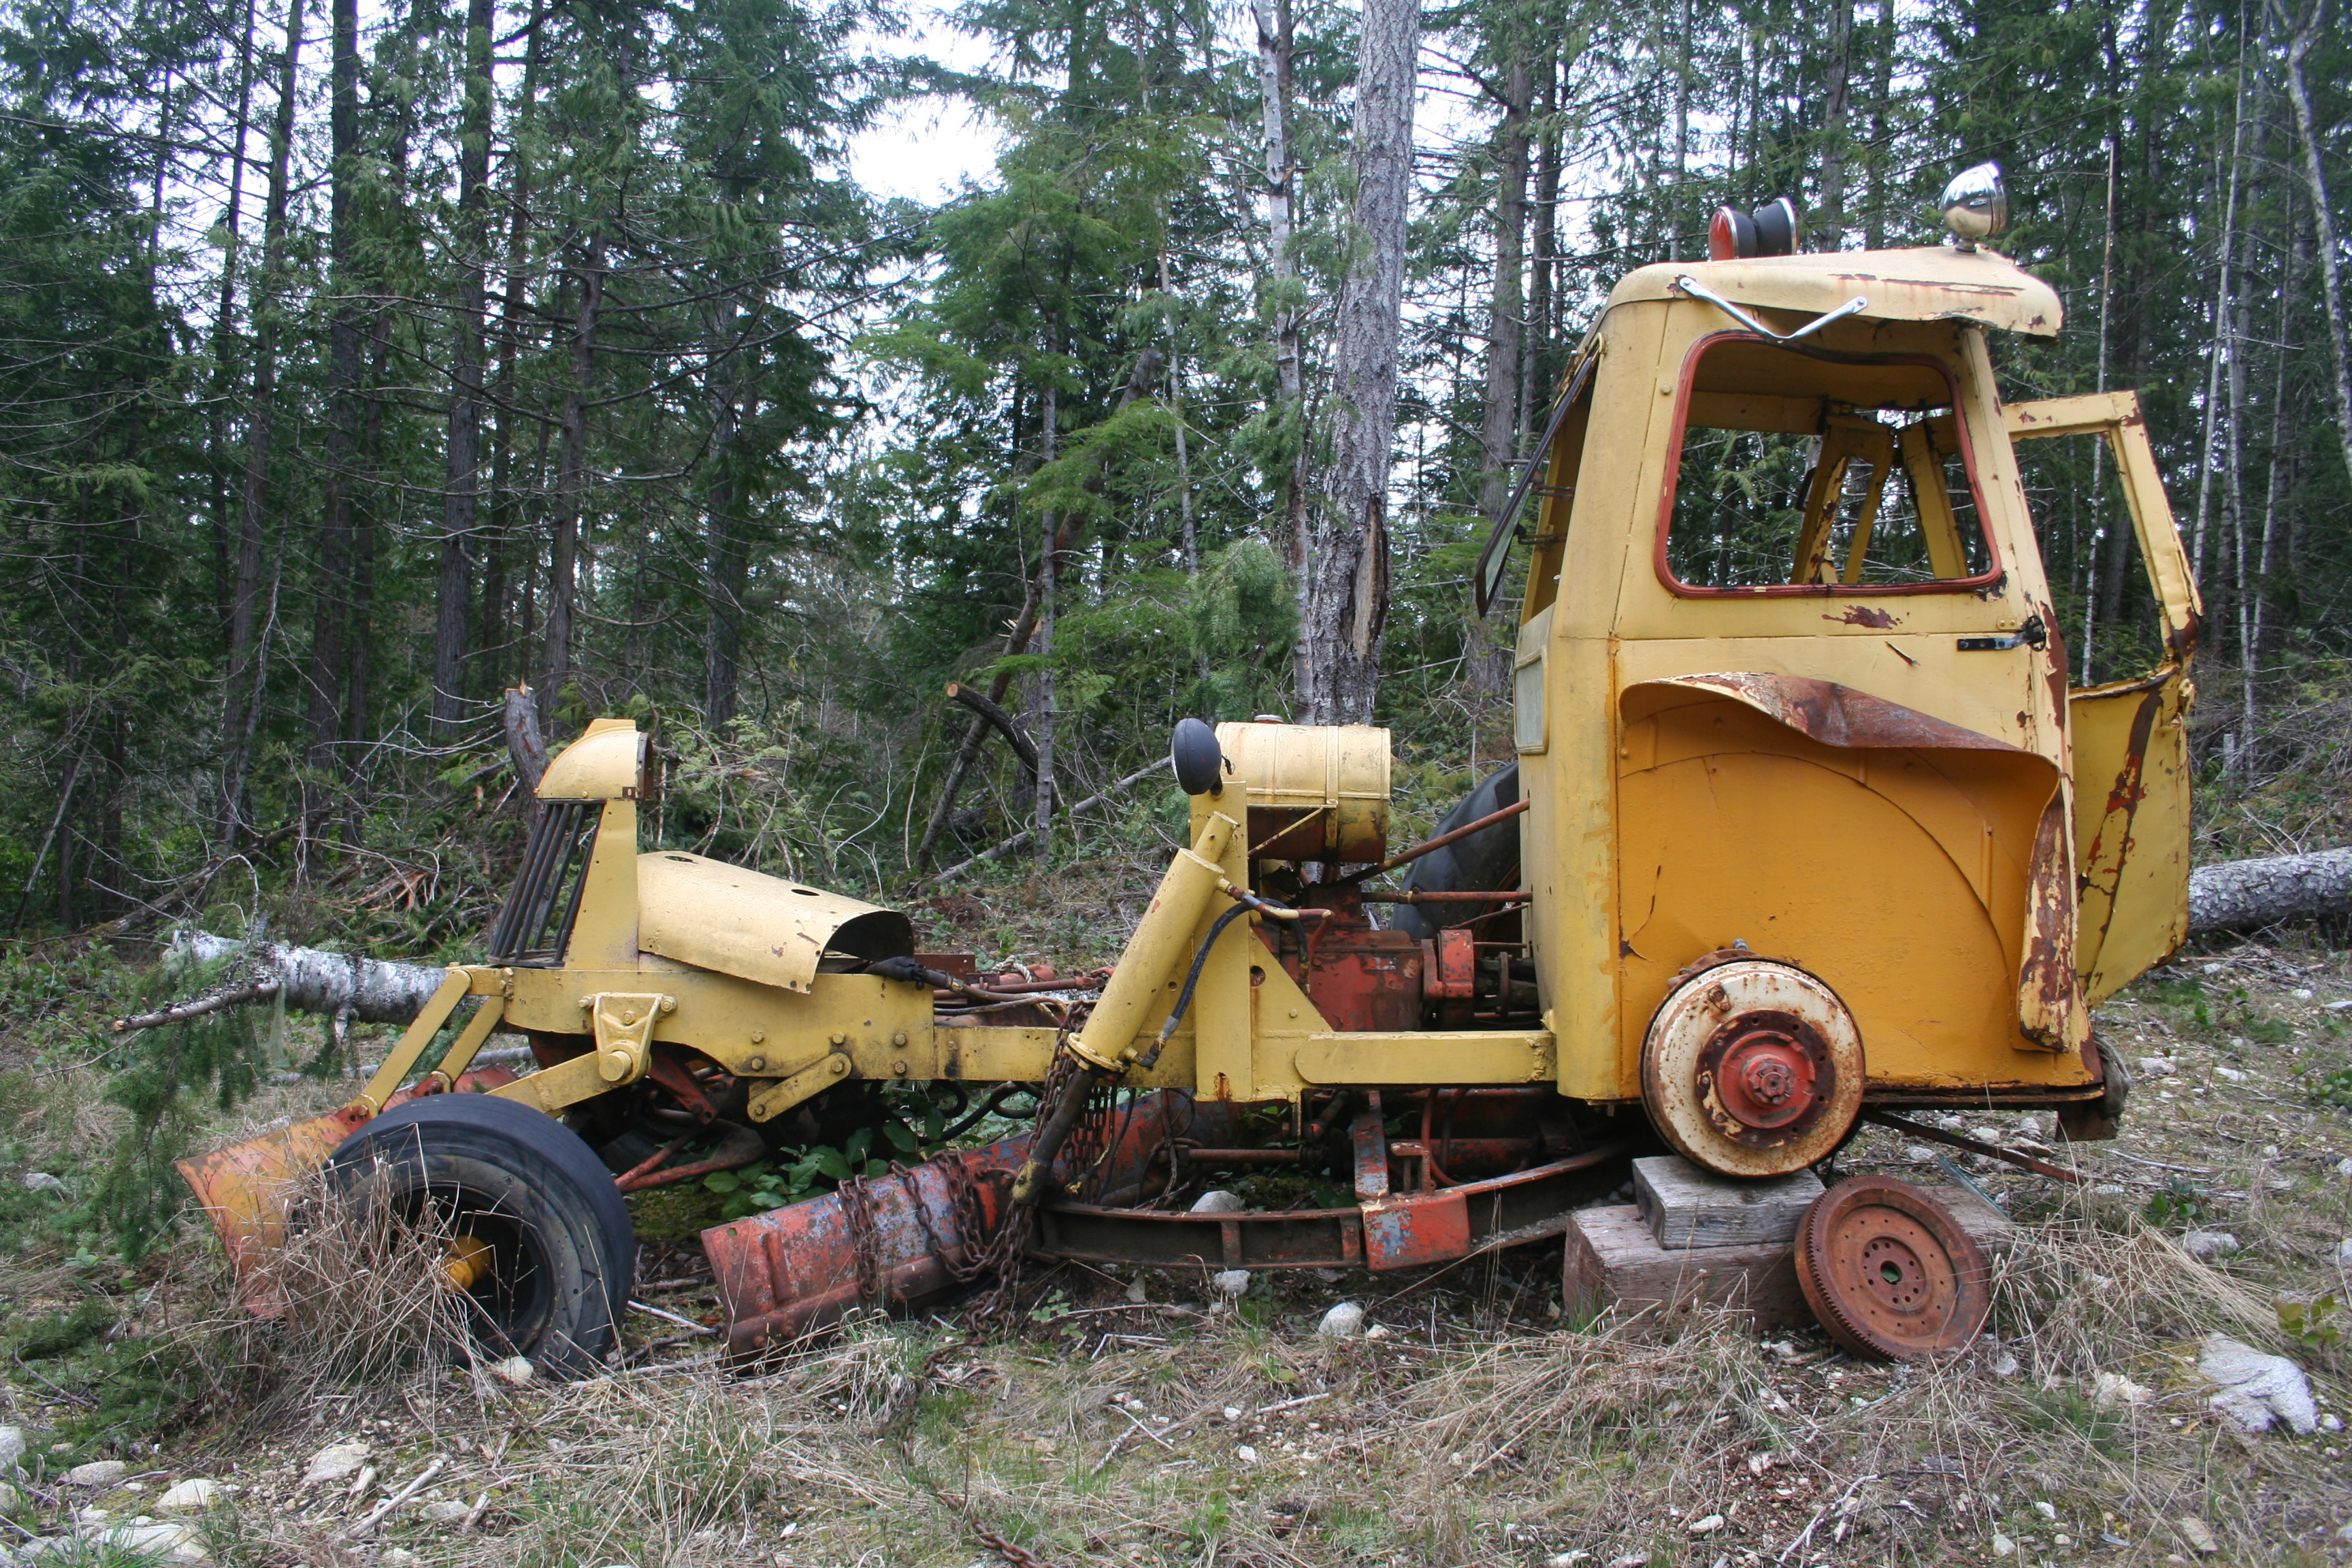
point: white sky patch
(926, 149)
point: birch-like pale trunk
(1347, 591)
(1274, 54)
(2303, 31)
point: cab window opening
(1809, 473)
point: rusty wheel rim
(1752, 1068)
(1890, 1273)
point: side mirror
(1198, 760)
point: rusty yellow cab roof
(1929, 283)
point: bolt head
(758, 1062)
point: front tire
(561, 1254)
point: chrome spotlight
(1976, 205)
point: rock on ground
(1219, 1203)
(1344, 1321)
(97, 1473)
(196, 1493)
(2257, 1390)
(2207, 1246)
(334, 1462)
(12, 1448)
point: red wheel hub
(1763, 1076)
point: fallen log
(372, 990)
(2239, 895)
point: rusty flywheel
(1889, 1272)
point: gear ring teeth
(1939, 1300)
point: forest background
(363, 363)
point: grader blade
(247, 1190)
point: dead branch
(1004, 724)
(181, 1012)
(1021, 839)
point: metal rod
(1937, 1135)
(1412, 895)
(1427, 845)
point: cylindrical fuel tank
(1316, 792)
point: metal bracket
(2032, 634)
(625, 1032)
(786, 1092)
(1698, 290)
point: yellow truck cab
(1792, 704)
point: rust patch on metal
(1834, 714)
(1765, 1077)
(1869, 616)
(1406, 1231)
(1890, 1273)
(2049, 991)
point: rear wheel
(540, 1241)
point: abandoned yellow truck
(1805, 826)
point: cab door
(2130, 742)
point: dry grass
(1482, 1429)
(1500, 1442)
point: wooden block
(1688, 1207)
(1614, 1261)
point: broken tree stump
(1687, 1206)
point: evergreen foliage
(765, 459)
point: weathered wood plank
(1687, 1206)
(1614, 1261)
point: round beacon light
(1769, 230)
(1976, 205)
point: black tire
(563, 1251)
(1479, 864)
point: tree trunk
(242, 697)
(224, 369)
(1347, 611)
(1882, 77)
(1048, 573)
(1506, 307)
(1486, 663)
(374, 990)
(570, 477)
(727, 561)
(2239, 895)
(328, 650)
(2270, 625)
(1829, 231)
(512, 549)
(2303, 31)
(461, 487)
(1275, 48)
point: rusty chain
(857, 1219)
